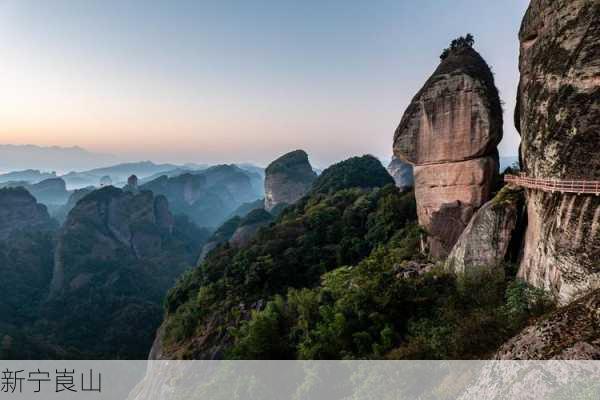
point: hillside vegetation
(340, 275)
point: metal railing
(555, 185)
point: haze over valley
(403, 180)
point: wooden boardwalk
(555, 185)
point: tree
(459, 43)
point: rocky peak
(19, 210)
(287, 179)
(558, 109)
(450, 133)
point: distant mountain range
(54, 158)
(119, 173)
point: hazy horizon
(237, 82)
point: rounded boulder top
(456, 116)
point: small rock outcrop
(249, 226)
(220, 236)
(569, 333)
(237, 231)
(557, 115)
(19, 210)
(450, 133)
(132, 184)
(484, 244)
(288, 179)
(402, 173)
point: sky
(235, 81)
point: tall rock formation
(287, 179)
(402, 173)
(449, 133)
(19, 210)
(558, 117)
(104, 227)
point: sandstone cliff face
(402, 173)
(484, 244)
(450, 132)
(447, 197)
(558, 114)
(287, 179)
(19, 210)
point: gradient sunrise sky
(226, 81)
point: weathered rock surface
(287, 179)
(402, 173)
(450, 132)
(569, 333)
(448, 195)
(484, 244)
(19, 210)
(558, 116)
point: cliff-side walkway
(555, 185)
